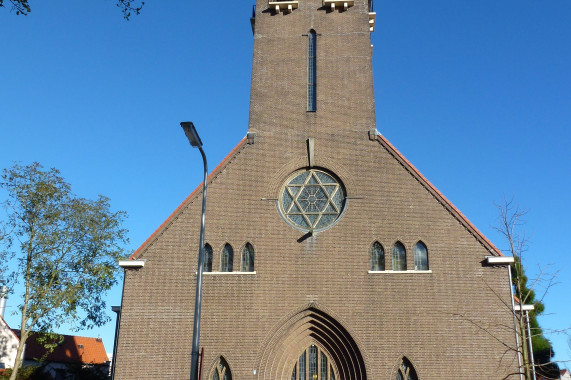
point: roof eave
(192, 195)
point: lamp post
(195, 142)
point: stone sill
(398, 271)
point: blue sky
(477, 95)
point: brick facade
(317, 289)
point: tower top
(312, 69)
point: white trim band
(131, 263)
(519, 307)
(398, 271)
(499, 260)
(236, 272)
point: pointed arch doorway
(311, 345)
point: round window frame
(288, 181)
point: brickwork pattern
(450, 321)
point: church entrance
(311, 345)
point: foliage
(62, 249)
(77, 371)
(71, 372)
(511, 222)
(22, 7)
(542, 349)
(29, 372)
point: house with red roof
(8, 345)
(72, 353)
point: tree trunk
(19, 355)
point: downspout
(515, 323)
(117, 310)
(530, 346)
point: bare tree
(127, 7)
(538, 360)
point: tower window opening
(311, 72)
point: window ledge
(127, 264)
(228, 273)
(398, 271)
(340, 4)
(283, 6)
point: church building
(327, 254)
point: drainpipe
(515, 323)
(117, 310)
(530, 346)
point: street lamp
(195, 141)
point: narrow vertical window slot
(311, 72)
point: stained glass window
(207, 264)
(323, 367)
(302, 366)
(247, 258)
(227, 259)
(377, 257)
(312, 200)
(222, 371)
(399, 256)
(313, 364)
(311, 71)
(406, 371)
(420, 256)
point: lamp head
(191, 134)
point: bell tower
(312, 69)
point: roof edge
(178, 210)
(9, 328)
(439, 196)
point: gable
(288, 163)
(8, 345)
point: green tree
(128, 7)
(511, 222)
(62, 249)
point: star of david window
(312, 200)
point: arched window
(227, 259)
(222, 371)
(399, 256)
(406, 371)
(420, 256)
(207, 264)
(313, 364)
(311, 71)
(247, 258)
(377, 257)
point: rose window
(312, 200)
